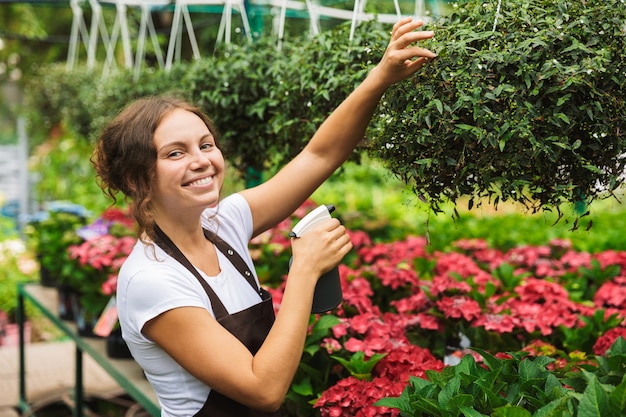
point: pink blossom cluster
(355, 397)
(539, 304)
(107, 242)
(389, 302)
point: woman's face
(189, 166)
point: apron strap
(234, 258)
(163, 241)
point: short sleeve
(154, 291)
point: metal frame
(182, 19)
(115, 368)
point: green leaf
(563, 117)
(457, 402)
(618, 347)
(402, 403)
(439, 105)
(471, 412)
(303, 387)
(617, 398)
(491, 361)
(511, 411)
(450, 390)
(425, 405)
(321, 328)
(555, 408)
(358, 366)
(562, 100)
(594, 401)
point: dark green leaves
(519, 386)
(532, 112)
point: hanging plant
(525, 102)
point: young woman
(190, 305)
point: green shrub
(518, 387)
(530, 112)
(267, 103)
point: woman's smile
(201, 182)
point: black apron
(250, 326)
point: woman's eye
(206, 146)
(174, 154)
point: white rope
(495, 19)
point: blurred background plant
(96, 259)
(50, 233)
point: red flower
(460, 265)
(373, 333)
(471, 245)
(116, 215)
(611, 294)
(500, 323)
(405, 361)
(459, 306)
(611, 257)
(394, 276)
(359, 239)
(396, 252)
(357, 292)
(355, 398)
(429, 322)
(109, 286)
(605, 341)
(413, 303)
(445, 284)
(542, 292)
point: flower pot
(85, 322)
(116, 346)
(46, 278)
(68, 302)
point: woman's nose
(200, 160)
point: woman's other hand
(403, 57)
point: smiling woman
(187, 155)
(191, 274)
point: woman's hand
(320, 249)
(402, 57)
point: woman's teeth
(203, 181)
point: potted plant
(50, 232)
(96, 260)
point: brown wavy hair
(125, 155)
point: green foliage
(50, 233)
(582, 286)
(16, 267)
(62, 171)
(358, 366)
(268, 103)
(56, 97)
(26, 32)
(314, 371)
(583, 338)
(369, 198)
(531, 112)
(517, 386)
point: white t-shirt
(147, 287)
